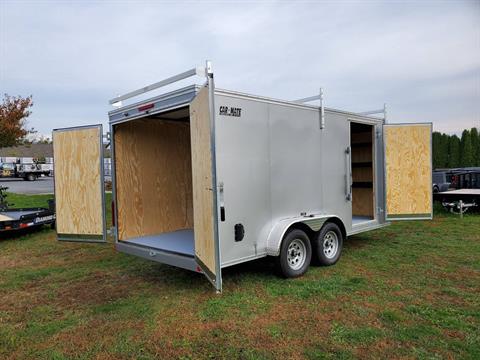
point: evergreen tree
(436, 149)
(454, 152)
(466, 151)
(444, 150)
(475, 146)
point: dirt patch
(97, 288)
(9, 262)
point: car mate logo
(230, 111)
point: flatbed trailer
(16, 219)
(12, 219)
(459, 200)
(29, 172)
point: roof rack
(322, 108)
(379, 111)
(199, 71)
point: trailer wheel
(30, 177)
(328, 245)
(295, 254)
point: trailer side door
(408, 171)
(207, 249)
(79, 184)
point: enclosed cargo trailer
(205, 178)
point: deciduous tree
(14, 111)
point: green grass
(23, 201)
(410, 290)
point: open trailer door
(202, 132)
(408, 167)
(79, 184)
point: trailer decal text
(230, 111)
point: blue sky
(421, 58)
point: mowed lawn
(411, 290)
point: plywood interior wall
(78, 181)
(153, 177)
(408, 169)
(362, 202)
(202, 180)
(362, 170)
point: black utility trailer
(16, 219)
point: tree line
(450, 151)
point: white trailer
(205, 178)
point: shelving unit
(362, 170)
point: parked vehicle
(440, 182)
(205, 178)
(464, 178)
(28, 172)
(12, 219)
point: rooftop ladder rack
(199, 71)
(322, 108)
(379, 111)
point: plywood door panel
(408, 170)
(153, 177)
(78, 181)
(202, 180)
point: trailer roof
(182, 97)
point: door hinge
(107, 139)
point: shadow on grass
(17, 234)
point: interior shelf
(362, 164)
(361, 144)
(363, 184)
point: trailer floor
(179, 242)
(15, 215)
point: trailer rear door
(79, 184)
(408, 167)
(207, 249)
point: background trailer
(205, 178)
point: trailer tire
(328, 245)
(295, 254)
(30, 177)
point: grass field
(411, 290)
